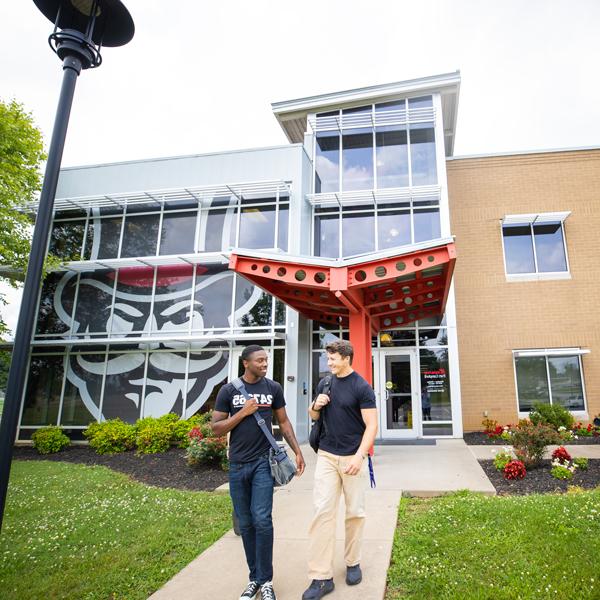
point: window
(549, 379)
(534, 244)
(378, 146)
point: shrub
(205, 448)
(581, 463)
(561, 454)
(182, 428)
(530, 442)
(49, 440)
(561, 471)
(551, 414)
(584, 430)
(515, 469)
(153, 435)
(489, 425)
(109, 437)
(502, 459)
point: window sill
(537, 276)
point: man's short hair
(248, 351)
(342, 347)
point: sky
(201, 76)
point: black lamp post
(81, 28)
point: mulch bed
(478, 438)
(166, 470)
(540, 481)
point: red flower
(195, 434)
(561, 454)
(515, 469)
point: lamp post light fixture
(81, 29)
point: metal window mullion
(185, 382)
(340, 232)
(123, 217)
(193, 293)
(376, 224)
(62, 387)
(411, 212)
(101, 404)
(85, 234)
(232, 322)
(276, 236)
(535, 262)
(564, 238)
(238, 221)
(582, 379)
(28, 372)
(341, 152)
(374, 149)
(408, 147)
(160, 224)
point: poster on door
(435, 381)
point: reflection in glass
(282, 236)
(319, 369)
(433, 337)
(357, 160)
(108, 232)
(422, 154)
(435, 385)
(212, 297)
(171, 310)
(165, 384)
(207, 372)
(178, 232)
(565, 380)
(257, 227)
(219, 231)
(260, 315)
(327, 162)
(518, 249)
(427, 224)
(123, 386)
(66, 240)
(421, 102)
(358, 233)
(532, 381)
(83, 389)
(391, 157)
(393, 229)
(327, 236)
(398, 384)
(140, 235)
(42, 398)
(279, 313)
(56, 303)
(549, 248)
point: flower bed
(540, 480)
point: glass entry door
(399, 393)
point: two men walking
(350, 426)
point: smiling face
(338, 364)
(257, 364)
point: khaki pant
(330, 481)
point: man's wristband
(313, 407)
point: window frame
(535, 275)
(548, 353)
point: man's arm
(314, 410)
(369, 416)
(288, 433)
(222, 423)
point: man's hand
(250, 407)
(321, 401)
(355, 465)
(299, 464)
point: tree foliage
(21, 152)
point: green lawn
(79, 532)
(474, 547)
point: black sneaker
(353, 575)
(318, 588)
(250, 592)
(267, 592)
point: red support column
(360, 338)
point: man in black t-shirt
(250, 479)
(349, 416)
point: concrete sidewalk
(220, 572)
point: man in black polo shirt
(250, 479)
(350, 427)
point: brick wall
(495, 316)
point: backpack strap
(238, 384)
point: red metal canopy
(367, 295)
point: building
(348, 231)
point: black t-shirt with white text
(344, 425)
(247, 442)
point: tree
(21, 152)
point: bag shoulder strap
(238, 384)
